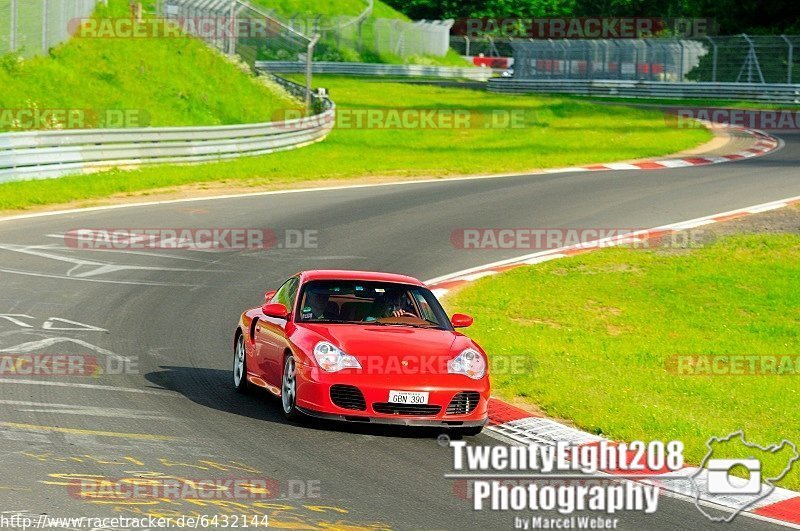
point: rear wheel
(240, 366)
(289, 389)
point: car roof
(334, 274)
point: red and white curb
(764, 143)
(514, 425)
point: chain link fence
(363, 38)
(486, 46)
(737, 59)
(237, 27)
(32, 27)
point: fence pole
(44, 25)
(713, 59)
(234, 28)
(13, 36)
(790, 59)
(309, 73)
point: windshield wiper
(412, 325)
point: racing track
(175, 311)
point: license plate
(408, 397)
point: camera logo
(721, 481)
(735, 474)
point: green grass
(557, 132)
(173, 81)
(597, 330)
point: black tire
(240, 382)
(289, 389)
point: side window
(292, 293)
(287, 293)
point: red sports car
(363, 347)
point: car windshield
(376, 303)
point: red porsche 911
(363, 347)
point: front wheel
(240, 366)
(289, 389)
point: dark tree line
(732, 16)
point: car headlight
(469, 363)
(332, 359)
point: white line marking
(37, 346)
(48, 325)
(13, 318)
(98, 280)
(99, 268)
(705, 220)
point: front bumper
(396, 420)
(314, 397)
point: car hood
(374, 340)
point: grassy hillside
(173, 81)
(554, 132)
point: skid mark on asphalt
(75, 431)
(166, 485)
(94, 269)
(110, 388)
(89, 411)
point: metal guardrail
(768, 93)
(376, 69)
(54, 153)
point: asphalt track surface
(174, 313)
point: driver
(397, 305)
(316, 306)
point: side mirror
(276, 310)
(460, 320)
(268, 296)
